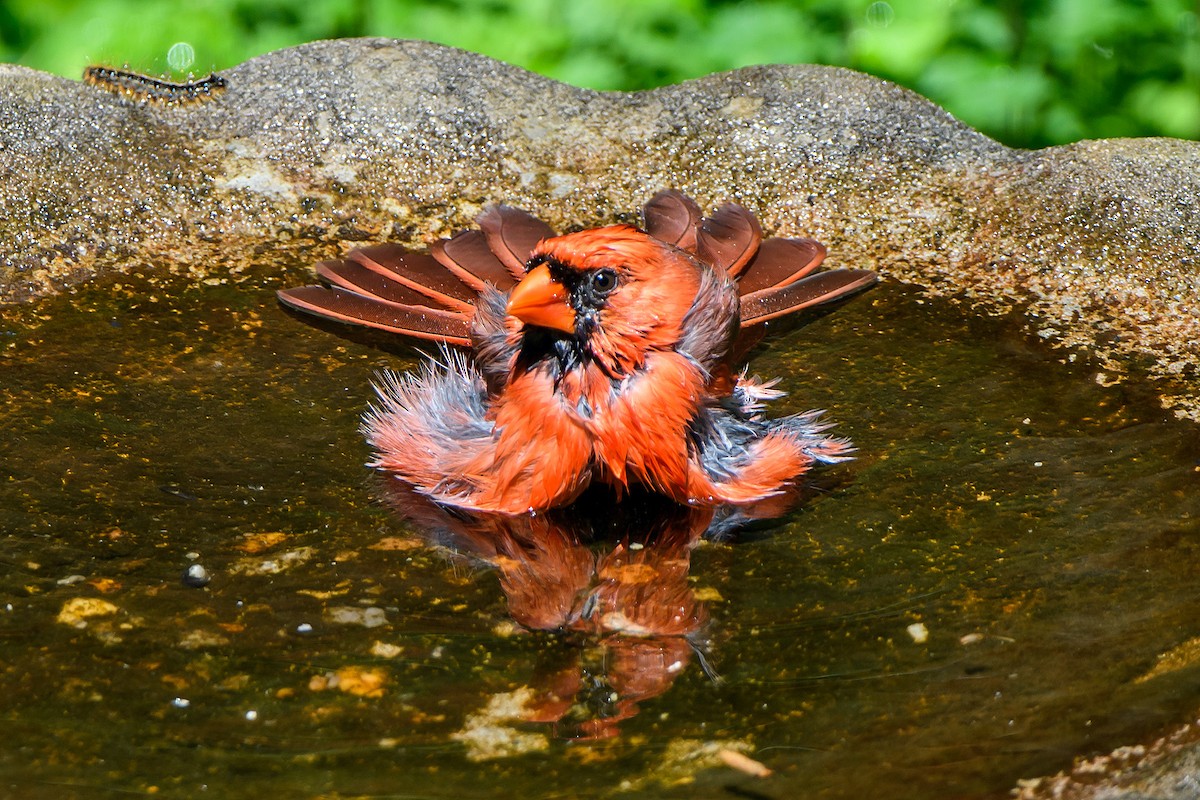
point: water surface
(1040, 526)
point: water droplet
(880, 14)
(181, 56)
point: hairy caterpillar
(143, 88)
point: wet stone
(196, 576)
(78, 610)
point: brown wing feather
(674, 218)
(729, 238)
(356, 278)
(469, 256)
(418, 272)
(780, 262)
(421, 322)
(824, 287)
(512, 234)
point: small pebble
(918, 632)
(251, 715)
(181, 702)
(386, 650)
(744, 763)
(196, 576)
(78, 610)
(304, 627)
(371, 617)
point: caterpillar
(143, 88)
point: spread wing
(782, 279)
(729, 239)
(674, 218)
(426, 296)
(814, 290)
(775, 277)
(432, 296)
(512, 234)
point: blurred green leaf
(898, 38)
(1171, 110)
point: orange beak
(542, 301)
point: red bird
(603, 356)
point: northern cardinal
(602, 356)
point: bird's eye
(604, 281)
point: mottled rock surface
(373, 139)
(1168, 768)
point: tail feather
(418, 322)
(779, 262)
(674, 218)
(354, 277)
(417, 271)
(470, 258)
(729, 239)
(512, 234)
(433, 296)
(814, 290)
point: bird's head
(606, 295)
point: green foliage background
(1028, 72)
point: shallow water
(1040, 526)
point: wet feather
(611, 363)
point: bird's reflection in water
(609, 574)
